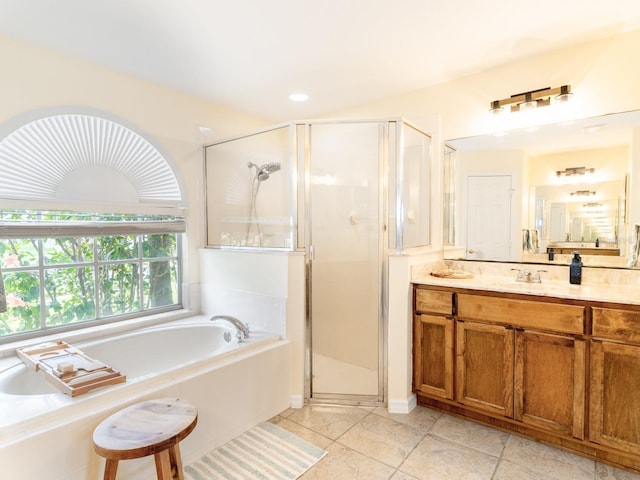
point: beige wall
(602, 74)
(604, 78)
(611, 163)
(35, 79)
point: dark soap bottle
(575, 269)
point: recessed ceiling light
(299, 97)
(594, 128)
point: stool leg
(176, 462)
(163, 465)
(110, 469)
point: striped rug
(266, 452)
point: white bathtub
(140, 353)
(234, 385)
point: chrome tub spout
(241, 327)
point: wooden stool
(149, 428)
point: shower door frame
(391, 237)
(304, 165)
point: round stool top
(144, 428)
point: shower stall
(346, 193)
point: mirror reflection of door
(558, 222)
(489, 217)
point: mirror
(570, 190)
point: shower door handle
(312, 253)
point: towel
(527, 240)
(634, 261)
(535, 244)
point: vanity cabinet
(562, 371)
(516, 359)
(615, 379)
(433, 343)
(550, 382)
(484, 367)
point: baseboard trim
(402, 406)
(296, 401)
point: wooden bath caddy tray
(66, 367)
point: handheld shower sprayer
(265, 170)
(262, 173)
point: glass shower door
(345, 261)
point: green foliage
(69, 295)
(23, 303)
(53, 281)
(68, 250)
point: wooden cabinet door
(615, 395)
(484, 367)
(550, 382)
(433, 355)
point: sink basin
(511, 283)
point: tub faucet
(241, 327)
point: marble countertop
(629, 294)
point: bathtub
(47, 434)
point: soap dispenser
(575, 269)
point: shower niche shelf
(67, 368)
(262, 232)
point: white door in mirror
(489, 217)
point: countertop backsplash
(552, 273)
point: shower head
(265, 170)
(270, 167)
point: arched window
(90, 226)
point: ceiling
(251, 54)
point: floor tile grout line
(375, 459)
(424, 432)
(427, 432)
(356, 451)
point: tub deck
(235, 389)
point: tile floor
(372, 444)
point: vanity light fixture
(533, 99)
(583, 193)
(567, 172)
(595, 213)
(591, 205)
(565, 94)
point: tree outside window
(62, 281)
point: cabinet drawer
(522, 313)
(616, 324)
(434, 301)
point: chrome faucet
(520, 276)
(241, 327)
(526, 276)
(536, 277)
